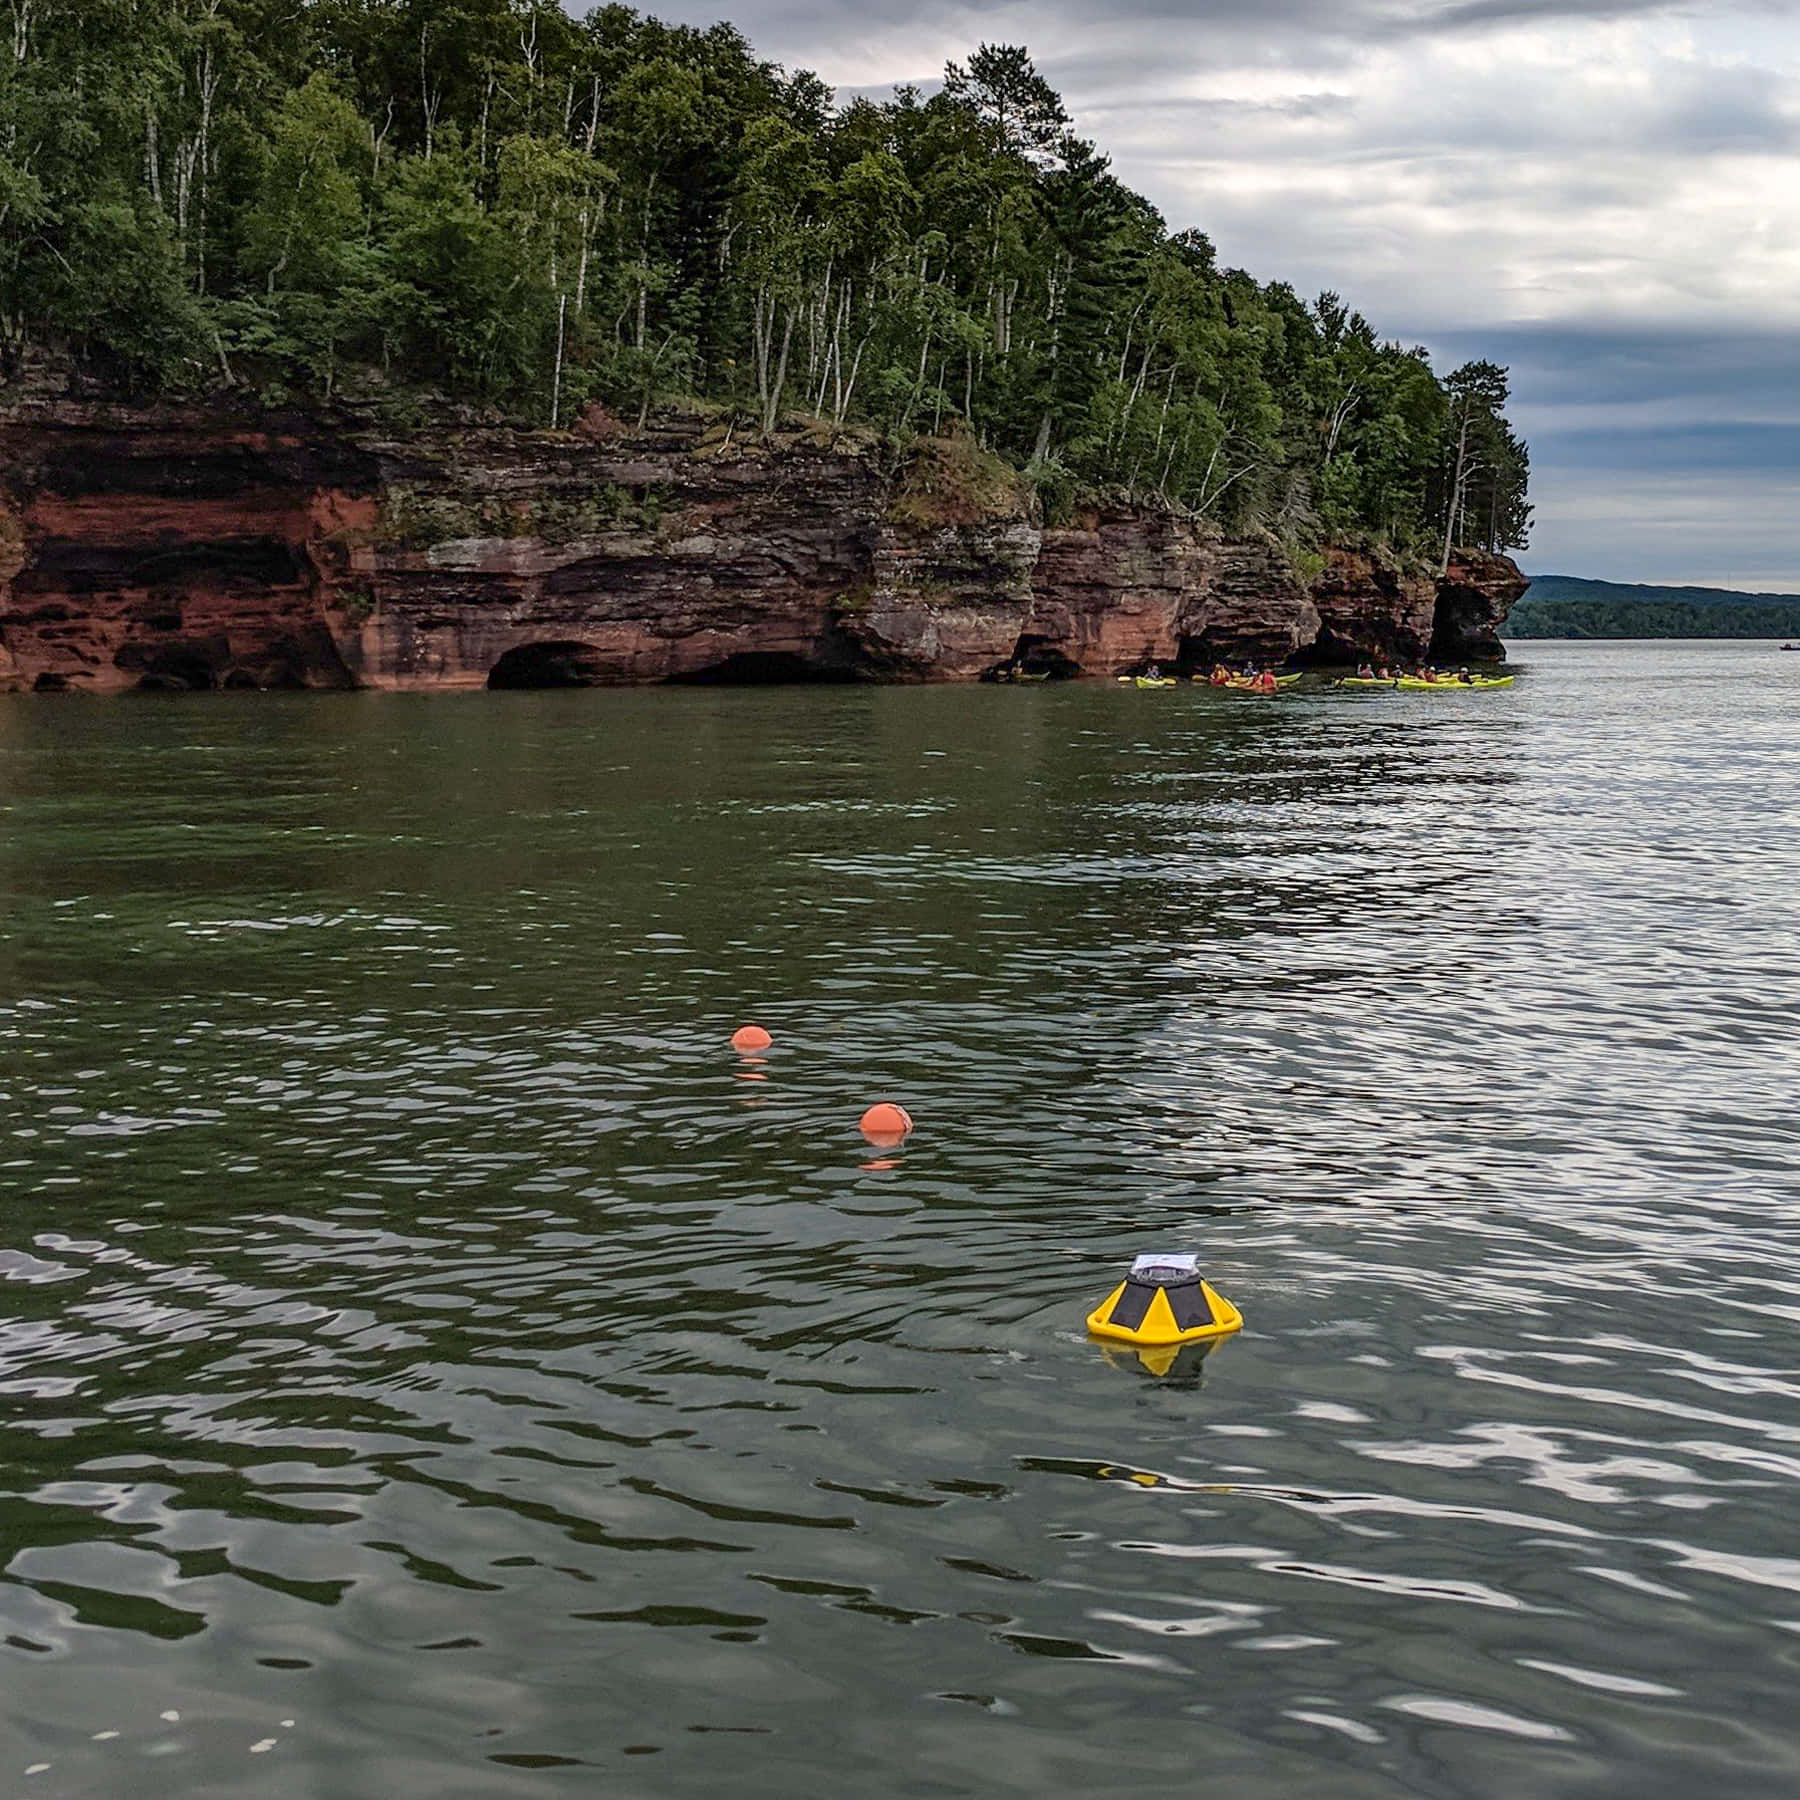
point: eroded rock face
(163, 547)
(1370, 610)
(1126, 587)
(946, 601)
(1478, 591)
(138, 551)
(664, 558)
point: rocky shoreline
(203, 547)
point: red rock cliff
(193, 549)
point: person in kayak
(1221, 676)
(1266, 682)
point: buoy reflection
(1176, 1365)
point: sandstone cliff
(166, 547)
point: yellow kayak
(1150, 681)
(1413, 685)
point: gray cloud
(1741, 376)
(1273, 24)
(1599, 193)
(1657, 456)
(1468, 14)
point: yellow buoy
(1163, 1302)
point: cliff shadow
(1035, 657)
(560, 664)
(764, 668)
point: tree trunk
(428, 104)
(772, 398)
(562, 309)
(1456, 491)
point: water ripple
(435, 1365)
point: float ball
(886, 1124)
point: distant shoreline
(1568, 606)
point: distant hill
(1566, 606)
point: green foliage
(1489, 469)
(413, 519)
(1652, 619)
(954, 481)
(501, 204)
(1564, 606)
(358, 606)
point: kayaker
(1266, 682)
(1465, 677)
(1364, 672)
(1220, 675)
(1153, 673)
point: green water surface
(433, 1366)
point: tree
(1022, 112)
(1478, 392)
(494, 200)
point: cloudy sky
(1603, 194)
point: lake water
(432, 1365)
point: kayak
(1151, 681)
(1239, 682)
(1411, 684)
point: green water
(434, 1366)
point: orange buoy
(748, 1038)
(885, 1124)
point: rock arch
(554, 663)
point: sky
(1602, 194)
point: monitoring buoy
(885, 1124)
(748, 1039)
(1163, 1301)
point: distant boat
(1791, 646)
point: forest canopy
(1567, 606)
(496, 203)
